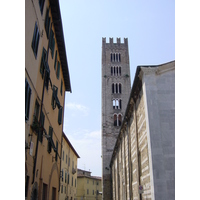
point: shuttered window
(43, 60)
(41, 4)
(35, 40)
(60, 115)
(61, 87)
(58, 70)
(55, 63)
(54, 96)
(49, 147)
(27, 99)
(47, 23)
(52, 42)
(42, 118)
(56, 157)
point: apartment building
(68, 179)
(88, 187)
(46, 81)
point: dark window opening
(47, 23)
(120, 89)
(27, 99)
(35, 40)
(49, 147)
(116, 57)
(41, 4)
(120, 71)
(60, 115)
(44, 192)
(26, 186)
(116, 86)
(115, 120)
(43, 61)
(42, 118)
(113, 88)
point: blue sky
(150, 28)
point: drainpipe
(36, 150)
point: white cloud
(88, 146)
(78, 107)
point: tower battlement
(118, 41)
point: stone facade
(144, 152)
(116, 89)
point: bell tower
(116, 88)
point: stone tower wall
(120, 60)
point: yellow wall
(87, 188)
(47, 169)
(67, 189)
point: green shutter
(58, 70)
(49, 147)
(56, 157)
(60, 115)
(47, 23)
(61, 87)
(42, 118)
(55, 63)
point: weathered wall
(160, 98)
(145, 149)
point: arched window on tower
(114, 57)
(120, 88)
(113, 88)
(119, 71)
(117, 57)
(115, 119)
(120, 104)
(113, 103)
(119, 120)
(116, 86)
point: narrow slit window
(116, 86)
(115, 120)
(120, 88)
(113, 88)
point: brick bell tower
(116, 88)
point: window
(42, 118)
(69, 161)
(61, 87)
(87, 181)
(66, 159)
(117, 120)
(63, 154)
(65, 177)
(68, 179)
(119, 71)
(50, 139)
(36, 110)
(35, 40)
(54, 97)
(115, 57)
(116, 88)
(93, 192)
(56, 157)
(44, 192)
(53, 193)
(47, 23)
(97, 183)
(60, 116)
(120, 88)
(41, 4)
(87, 191)
(52, 43)
(116, 103)
(27, 99)
(58, 70)
(26, 186)
(43, 61)
(62, 174)
(55, 63)
(65, 189)
(61, 188)
(72, 180)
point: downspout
(36, 150)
